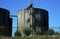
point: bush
(27, 31)
(38, 31)
(1, 29)
(17, 33)
(50, 32)
(57, 33)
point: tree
(27, 31)
(17, 33)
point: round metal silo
(40, 19)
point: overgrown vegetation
(17, 33)
(52, 32)
(27, 31)
(1, 27)
(38, 31)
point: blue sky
(52, 6)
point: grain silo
(33, 18)
(6, 22)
